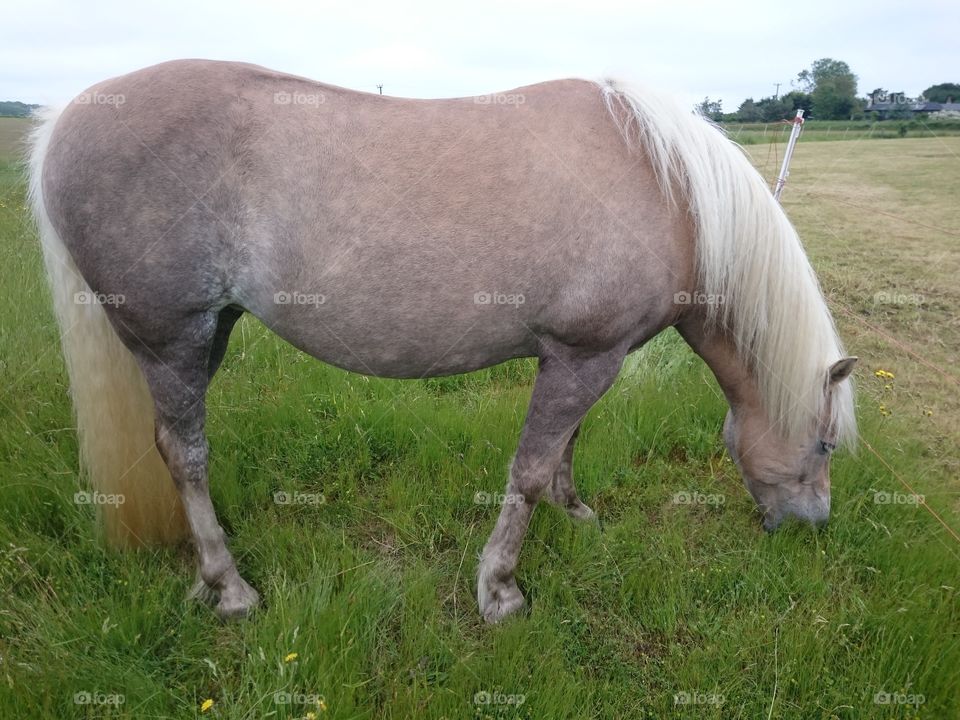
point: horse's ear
(841, 369)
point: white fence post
(791, 144)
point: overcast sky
(50, 50)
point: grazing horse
(569, 221)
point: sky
(51, 50)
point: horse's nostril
(815, 516)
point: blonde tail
(136, 499)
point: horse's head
(786, 478)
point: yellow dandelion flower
(291, 657)
(206, 705)
(322, 704)
(310, 716)
(884, 374)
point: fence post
(788, 155)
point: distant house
(898, 104)
(944, 110)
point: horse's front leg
(570, 382)
(563, 492)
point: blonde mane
(748, 254)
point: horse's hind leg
(178, 374)
(569, 383)
(226, 319)
(562, 491)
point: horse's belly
(397, 342)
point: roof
(914, 106)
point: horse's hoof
(237, 601)
(579, 511)
(505, 604)
(498, 599)
(203, 592)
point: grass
(842, 130)
(373, 588)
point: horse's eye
(825, 448)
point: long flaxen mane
(749, 256)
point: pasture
(834, 130)
(357, 507)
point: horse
(568, 221)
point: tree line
(825, 91)
(12, 108)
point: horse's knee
(185, 454)
(530, 483)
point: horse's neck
(719, 353)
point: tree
(748, 111)
(772, 109)
(901, 109)
(944, 92)
(712, 109)
(797, 100)
(878, 95)
(859, 109)
(832, 87)
(13, 108)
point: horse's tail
(135, 496)
(749, 259)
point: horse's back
(404, 225)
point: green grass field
(373, 588)
(819, 130)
